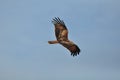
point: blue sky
(25, 28)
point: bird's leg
(53, 42)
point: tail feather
(53, 42)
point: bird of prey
(61, 33)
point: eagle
(61, 33)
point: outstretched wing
(73, 48)
(60, 28)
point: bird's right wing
(59, 28)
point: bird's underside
(61, 34)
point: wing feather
(57, 32)
(57, 20)
(73, 48)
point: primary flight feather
(61, 33)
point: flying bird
(61, 33)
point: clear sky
(25, 28)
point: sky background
(25, 28)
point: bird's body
(61, 33)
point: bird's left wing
(73, 48)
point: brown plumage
(61, 33)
